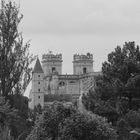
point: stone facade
(48, 78)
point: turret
(52, 63)
(37, 93)
(82, 64)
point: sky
(79, 26)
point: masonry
(48, 77)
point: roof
(38, 67)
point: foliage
(15, 73)
(54, 115)
(107, 110)
(6, 112)
(107, 90)
(129, 122)
(15, 59)
(37, 132)
(123, 129)
(19, 125)
(133, 118)
(90, 100)
(59, 121)
(86, 126)
(122, 71)
(116, 95)
(119, 81)
(20, 102)
(7, 115)
(123, 63)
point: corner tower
(37, 92)
(82, 64)
(52, 63)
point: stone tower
(52, 63)
(37, 93)
(82, 64)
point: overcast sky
(79, 26)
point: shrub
(133, 118)
(87, 127)
(106, 110)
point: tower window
(39, 83)
(38, 75)
(84, 70)
(53, 69)
(38, 97)
(39, 90)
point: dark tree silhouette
(15, 59)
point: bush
(62, 122)
(48, 127)
(128, 122)
(106, 110)
(54, 115)
(123, 129)
(87, 127)
(133, 118)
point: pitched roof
(38, 68)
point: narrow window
(39, 90)
(84, 70)
(53, 69)
(38, 97)
(38, 75)
(39, 83)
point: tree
(90, 100)
(54, 115)
(37, 133)
(15, 59)
(7, 115)
(118, 87)
(122, 67)
(123, 129)
(60, 121)
(86, 126)
(133, 118)
(123, 63)
(47, 123)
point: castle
(48, 78)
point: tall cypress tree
(15, 59)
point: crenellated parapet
(51, 57)
(87, 57)
(52, 63)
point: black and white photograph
(70, 70)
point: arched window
(61, 83)
(84, 70)
(53, 69)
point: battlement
(51, 57)
(87, 57)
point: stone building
(48, 78)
